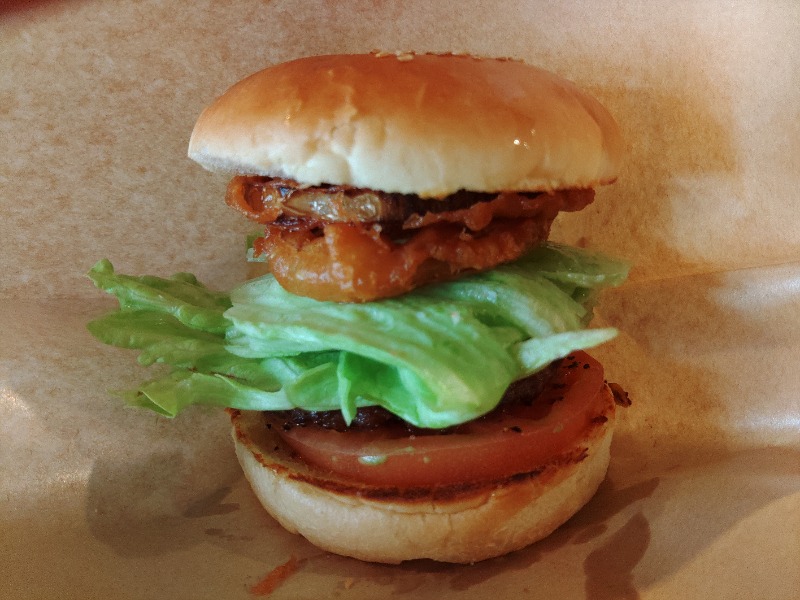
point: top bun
(415, 124)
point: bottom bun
(458, 523)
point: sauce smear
(275, 578)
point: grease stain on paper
(211, 505)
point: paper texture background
(97, 101)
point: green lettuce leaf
(436, 357)
(182, 296)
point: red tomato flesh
(518, 438)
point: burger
(406, 372)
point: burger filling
(436, 357)
(348, 244)
(525, 392)
(546, 419)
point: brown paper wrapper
(702, 499)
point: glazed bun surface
(459, 524)
(418, 124)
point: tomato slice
(517, 438)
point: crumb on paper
(621, 397)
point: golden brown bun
(460, 524)
(418, 124)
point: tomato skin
(515, 439)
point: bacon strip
(358, 260)
(268, 200)
(351, 263)
(506, 205)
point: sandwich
(406, 371)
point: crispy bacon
(506, 205)
(266, 200)
(322, 243)
(353, 263)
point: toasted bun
(419, 124)
(461, 523)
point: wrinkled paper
(702, 500)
